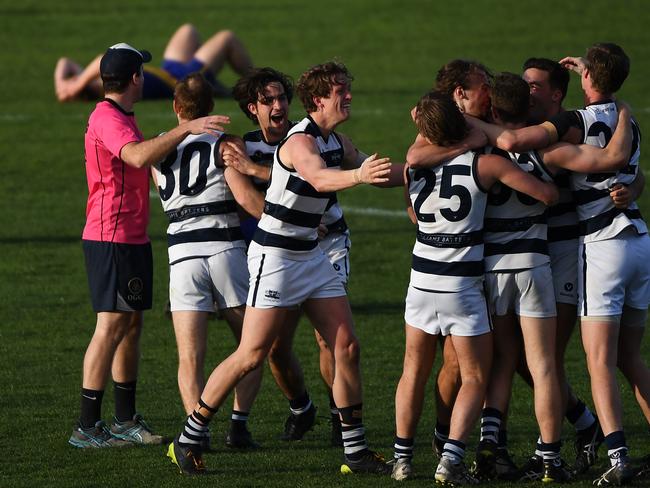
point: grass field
(394, 50)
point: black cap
(121, 61)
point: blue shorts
(160, 82)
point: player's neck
(325, 125)
(593, 96)
(122, 99)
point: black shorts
(120, 276)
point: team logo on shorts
(336, 267)
(272, 294)
(568, 286)
(135, 286)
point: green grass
(394, 50)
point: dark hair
(608, 66)
(116, 85)
(459, 72)
(438, 118)
(318, 81)
(510, 96)
(193, 96)
(250, 86)
(558, 77)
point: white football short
(613, 273)
(277, 281)
(528, 293)
(336, 246)
(463, 313)
(196, 284)
(564, 267)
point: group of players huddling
(525, 219)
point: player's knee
(279, 356)
(349, 352)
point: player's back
(449, 204)
(201, 209)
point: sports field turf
(394, 50)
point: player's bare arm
(244, 192)
(151, 151)
(516, 140)
(623, 195)
(300, 152)
(407, 196)
(242, 188)
(234, 156)
(585, 158)
(423, 154)
(493, 168)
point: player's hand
(621, 106)
(373, 170)
(322, 231)
(476, 138)
(621, 196)
(572, 63)
(212, 124)
(234, 157)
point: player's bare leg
(190, 328)
(283, 363)
(332, 318)
(507, 353)
(474, 359)
(326, 366)
(222, 47)
(632, 365)
(419, 356)
(183, 44)
(110, 330)
(447, 386)
(289, 377)
(245, 392)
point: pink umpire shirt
(118, 194)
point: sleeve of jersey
(564, 121)
(116, 133)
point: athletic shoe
(450, 474)
(586, 446)
(484, 468)
(97, 436)
(506, 468)
(136, 431)
(437, 446)
(370, 462)
(402, 468)
(619, 474)
(240, 438)
(337, 435)
(533, 470)
(187, 459)
(297, 426)
(555, 471)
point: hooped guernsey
(293, 208)
(201, 209)
(516, 223)
(599, 219)
(449, 204)
(262, 152)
